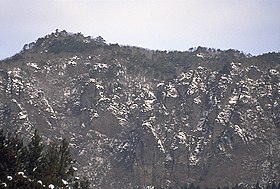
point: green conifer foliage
(34, 156)
(65, 159)
(33, 166)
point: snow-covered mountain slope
(136, 117)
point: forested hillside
(142, 118)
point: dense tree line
(73, 43)
(35, 165)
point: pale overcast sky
(252, 26)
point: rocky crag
(141, 118)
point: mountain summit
(142, 118)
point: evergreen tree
(57, 163)
(84, 184)
(268, 186)
(12, 154)
(50, 163)
(34, 156)
(192, 186)
(273, 186)
(257, 186)
(3, 166)
(26, 167)
(65, 159)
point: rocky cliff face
(136, 117)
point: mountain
(141, 118)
